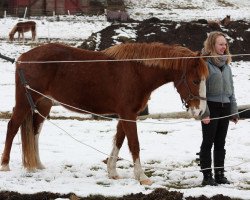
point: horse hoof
(31, 170)
(41, 167)
(146, 182)
(5, 168)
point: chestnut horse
(101, 85)
(21, 28)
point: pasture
(73, 150)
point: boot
(205, 163)
(219, 157)
(208, 179)
(220, 177)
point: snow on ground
(188, 10)
(168, 146)
(167, 153)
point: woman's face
(220, 45)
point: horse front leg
(130, 130)
(23, 37)
(117, 144)
(19, 35)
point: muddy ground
(158, 194)
(189, 34)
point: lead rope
(120, 119)
(145, 166)
(95, 114)
(116, 157)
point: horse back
(73, 63)
(26, 26)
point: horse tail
(28, 143)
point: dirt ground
(190, 34)
(158, 194)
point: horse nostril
(200, 113)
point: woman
(220, 102)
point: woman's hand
(235, 120)
(206, 120)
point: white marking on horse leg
(39, 163)
(140, 175)
(111, 164)
(5, 168)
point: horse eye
(196, 82)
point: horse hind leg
(33, 36)
(33, 31)
(19, 114)
(117, 143)
(44, 107)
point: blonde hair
(209, 46)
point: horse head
(191, 85)
(11, 36)
(12, 33)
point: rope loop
(120, 119)
(120, 158)
(145, 166)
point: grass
(94, 168)
(149, 172)
(5, 115)
(103, 184)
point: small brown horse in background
(121, 87)
(226, 21)
(21, 28)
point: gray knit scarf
(218, 61)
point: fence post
(48, 32)
(54, 15)
(25, 12)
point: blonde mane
(151, 50)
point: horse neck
(155, 78)
(13, 31)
